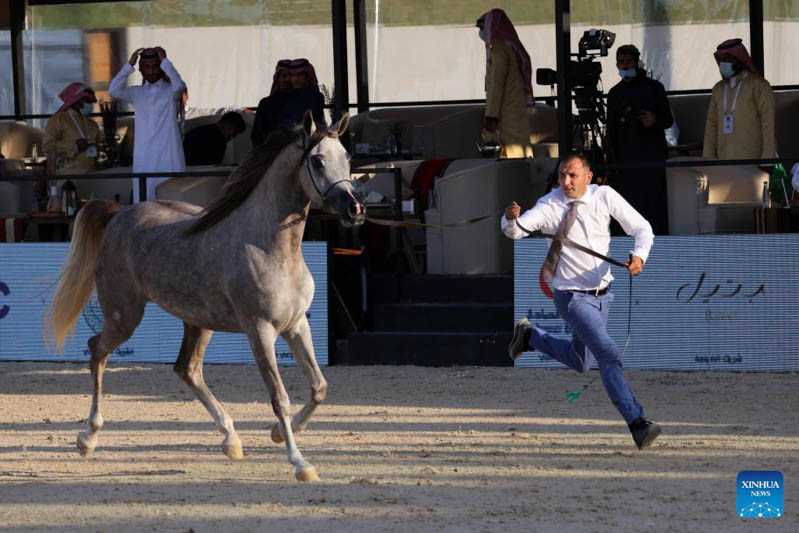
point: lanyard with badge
(91, 149)
(728, 117)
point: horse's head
(325, 173)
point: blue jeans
(588, 317)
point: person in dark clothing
(295, 89)
(638, 114)
(205, 145)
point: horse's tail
(76, 282)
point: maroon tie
(551, 261)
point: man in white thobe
(157, 145)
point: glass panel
(225, 51)
(781, 41)
(6, 81)
(431, 51)
(677, 38)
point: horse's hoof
(277, 438)
(85, 445)
(233, 450)
(309, 474)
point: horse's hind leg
(116, 330)
(301, 344)
(189, 368)
(262, 339)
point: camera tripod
(587, 131)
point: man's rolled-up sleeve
(633, 224)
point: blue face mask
(482, 35)
(726, 70)
(627, 74)
(86, 108)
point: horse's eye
(318, 161)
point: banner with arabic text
(28, 272)
(705, 302)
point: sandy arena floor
(398, 449)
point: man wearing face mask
(71, 137)
(638, 115)
(508, 84)
(740, 116)
(157, 144)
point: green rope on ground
(574, 395)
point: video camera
(583, 80)
(582, 76)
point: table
(776, 219)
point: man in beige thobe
(740, 117)
(508, 85)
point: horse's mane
(248, 174)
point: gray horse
(236, 267)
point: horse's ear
(341, 126)
(308, 124)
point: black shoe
(644, 432)
(521, 339)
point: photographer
(638, 114)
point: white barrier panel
(712, 302)
(27, 281)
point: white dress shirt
(157, 143)
(579, 270)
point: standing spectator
(157, 145)
(740, 117)
(638, 114)
(268, 111)
(508, 84)
(295, 90)
(70, 137)
(205, 145)
(306, 91)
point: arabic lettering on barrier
(541, 315)
(4, 309)
(715, 290)
(122, 352)
(721, 358)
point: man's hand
(635, 265)
(647, 118)
(161, 52)
(490, 124)
(513, 211)
(135, 57)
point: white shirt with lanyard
(728, 117)
(91, 150)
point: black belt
(593, 292)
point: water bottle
(69, 199)
(766, 197)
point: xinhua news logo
(760, 494)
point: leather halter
(322, 195)
(305, 156)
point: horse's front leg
(262, 339)
(299, 340)
(189, 368)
